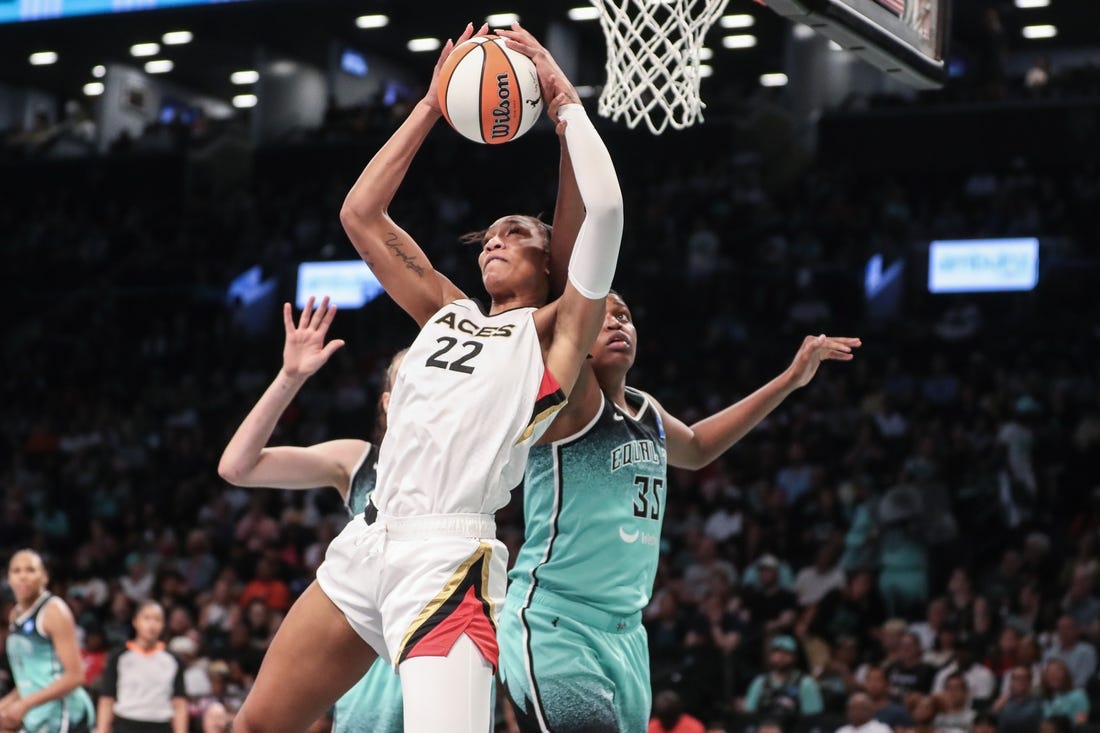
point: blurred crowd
(912, 539)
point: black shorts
(125, 725)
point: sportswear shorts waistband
(586, 614)
(480, 526)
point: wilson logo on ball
(488, 92)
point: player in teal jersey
(573, 650)
(374, 704)
(44, 657)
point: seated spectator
(861, 716)
(1080, 603)
(266, 587)
(923, 709)
(979, 680)
(943, 649)
(1061, 696)
(772, 610)
(1079, 656)
(705, 563)
(887, 709)
(669, 716)
(1018, 710)
(1006, 655)
(956, 712)
(836, 677)
(815, 581)
(784, 692)
(935, 619)
(851, 611)
(909, 673)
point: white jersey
(471, 397)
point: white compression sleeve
(592, 265)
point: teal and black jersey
(363, 479)
(593, 507)
(34, 665)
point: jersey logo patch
(629, 537)
(28, 626)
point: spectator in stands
(861, 716)
(852, 611)
(706, 562)
(1079, 655)
(909, 674)
(1060, 695)
(923, 709)
(886, 708)
(783, 692)
(1006, 655)
(772, 610)
(669, 715)
(1080, 603)
(980, 682)
(1018, 710)
(934, 620)
(956, 713)
(266, 587)
(813, 582)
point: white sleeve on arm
(592, 265)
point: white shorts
(411, 586)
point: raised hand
(432, 97)
(816, 349)
(552, 79)
(305, 350)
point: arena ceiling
(226, 37)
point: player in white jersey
(373, 705)
(418, 579)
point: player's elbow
(231, 471)
(606, 211)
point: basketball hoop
(653, 60)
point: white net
(653, 60)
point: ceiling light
(418, 45)
(99, 71)
(177, 38)
(501, 20)
(741, 41)
(282, 67)
(1032, 3)
(145, 49)
(1040, 31)
(159, 66)
(43, 58)
(93, 88)
(737, 21)
(803, 32)
(585, 13)
(247, 76)
(705, 70)
(372, 21)
(773, 80)
(705, 54)
(244, 101)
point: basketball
(488, 92)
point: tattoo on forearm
(410, 262)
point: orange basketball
(488, 92)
